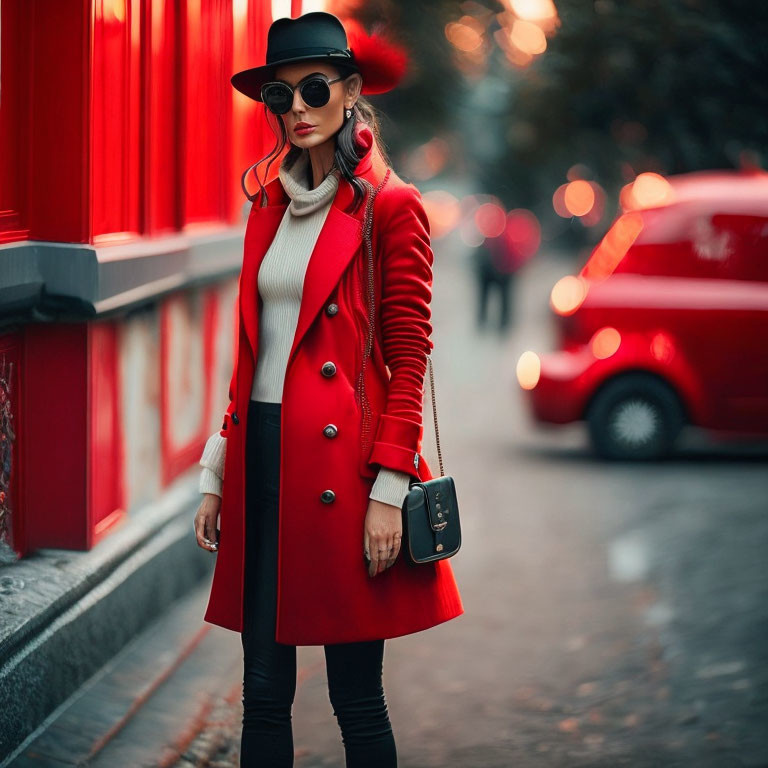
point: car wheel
(636, 416)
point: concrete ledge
(42, 280)
(65, 614)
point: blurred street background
(594, 176)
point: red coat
(324, 593)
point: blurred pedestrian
(310, 514)
(495, 264)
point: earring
(349, 113)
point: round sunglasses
(315, 90)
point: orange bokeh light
(648, 190)
(528, 37)
(613, 247)
(605, 343)
(466, 34)
(533, 10)
(568, 294)
(579, 197)
(528, 370)
(651, 189)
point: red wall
(118, 120)
(118, 123)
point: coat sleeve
(406, 259)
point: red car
(667, 322)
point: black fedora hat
(321, 36)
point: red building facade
(121, 225)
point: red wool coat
(324, 593)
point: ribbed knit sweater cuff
(210, 482)
(212, 462)
(390, 486)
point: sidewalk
(65, 614)
(144, 707)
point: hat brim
(249, 81)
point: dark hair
(346, 155)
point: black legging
(269, 668)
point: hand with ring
(382, 536)
(204, 523)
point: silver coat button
(327, 496)
(332, 309)
(328, 368)
(330, 430)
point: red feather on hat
(382, 62)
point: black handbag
(431, 526)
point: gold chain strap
(367, 237)
(434, 414)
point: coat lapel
(260, 231)
(337, 243)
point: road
(615, 614)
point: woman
(323, 432)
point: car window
(743, 244)
(664, 244)
(693, 241)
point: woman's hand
(382, 536)
(205, 522)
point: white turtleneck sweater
(280, 285)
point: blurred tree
(421, 106)
(640, 85)
(625, 86)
